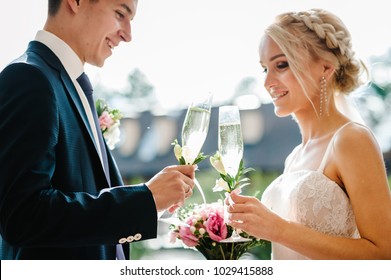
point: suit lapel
(44, 52)
(71, 91)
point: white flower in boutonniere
(109, 121)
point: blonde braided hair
(310, 35)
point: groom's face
(103, 25)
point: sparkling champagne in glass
(194, 132)
(195, 128)
(230, 144)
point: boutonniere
(109, 121)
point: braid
(335, 40)
(318, 34)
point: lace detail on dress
(323, 206)
(310, 198)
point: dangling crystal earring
(324, 100)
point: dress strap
(291, 158)
(329, 147)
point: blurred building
(145, 146)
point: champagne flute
(194, 131)
(230, 144)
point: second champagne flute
(230, 144)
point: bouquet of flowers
(203, 226)
(109, 121)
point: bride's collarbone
(309, 156)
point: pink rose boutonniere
(109, 121)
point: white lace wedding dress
(310, 198)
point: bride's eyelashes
(282, 65)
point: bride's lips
(276, 95)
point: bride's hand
(250, 215)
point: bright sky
(191, 47)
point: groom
(61, 194)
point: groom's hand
(171, 186)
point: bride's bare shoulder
(355, 141)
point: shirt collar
(63, 51)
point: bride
(333, 200)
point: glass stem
(200, 190)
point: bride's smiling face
(287, 94)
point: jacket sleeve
(33, 212)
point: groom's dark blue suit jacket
(54, 197)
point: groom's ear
(73, 5)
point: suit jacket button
(122, 241)
(138, 236)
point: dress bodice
(310, 198)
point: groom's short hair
(54, 6)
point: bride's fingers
(238, 208)
(238, 221)
(236, 198)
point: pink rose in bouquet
(188, 237)
(204, 231)
(215, 226)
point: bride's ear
(328, 70)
